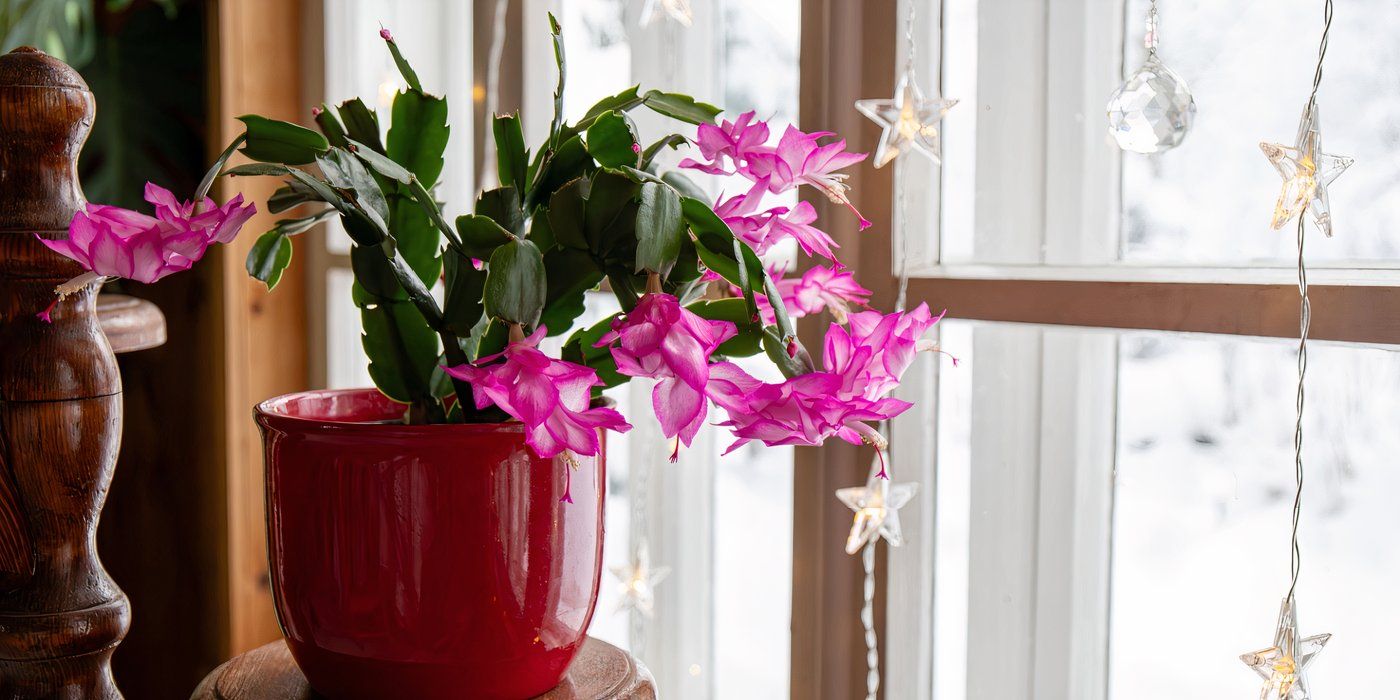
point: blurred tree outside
(145, 62)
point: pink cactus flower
(549, 396)
(386, 35)
(663, 340)
(822, 289)
(801, 159)
(114, 242)
(728, 147)
(878, 348)
(860, 368)
(804, 410)
(763, 230)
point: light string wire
(1304, 325)
(867, 555)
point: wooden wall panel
(258, 68)
(847, 53)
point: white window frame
(1042, 87)
(1044, 421)
(680, 497)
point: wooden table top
(131, 324)
(601, 671)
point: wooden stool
(601, 671)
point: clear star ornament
(876, 506)
(637, 582)
(1283, 665)
(677, 10)
(909, 120)
(1306, 173)
(1152, 110)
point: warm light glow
(1285, 675)
(387, 91)
(695, 669)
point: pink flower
(804, 410)
(114, 242)
(801, 159)
(878, 348)
(663, 340)
(385, 34)
(763, 230)
(823, 289)
(732, 142)
(549, 396)
(796, 224)
(860, 368)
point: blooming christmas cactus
(589, 208)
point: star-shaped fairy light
(1306, 173)
(876, 505)
(678, 10)
(910, 121)
(1282, 665)
(637, 582)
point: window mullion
(1078, 419)
(1082, 180)
(1009, 216)
(1005, 450)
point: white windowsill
(1321, 274)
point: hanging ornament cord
(867, 555)
(636, 617)
(1304, 325)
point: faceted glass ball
(1151, 111)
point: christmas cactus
(589, 208)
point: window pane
(1249, 65)
(1202, 511)
(953, 501)
(959, 142)
(595, 41)
(346, 364)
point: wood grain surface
(601, 671)
(61, 615)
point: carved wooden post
(61, 616)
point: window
(720, 625)
(1109, 505)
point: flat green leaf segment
(269, 257)
(273, 141)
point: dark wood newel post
(61, 616)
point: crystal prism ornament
(876, 505)
(910, 122)
(1306, 173)
(1282, 665)
(1153, 109)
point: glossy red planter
(425, 561)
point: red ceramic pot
(431, 561)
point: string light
(1306, 173)
(677, 10)
(909, 121)
(637, 583)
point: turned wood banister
(61, 615)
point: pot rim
(275, 413)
